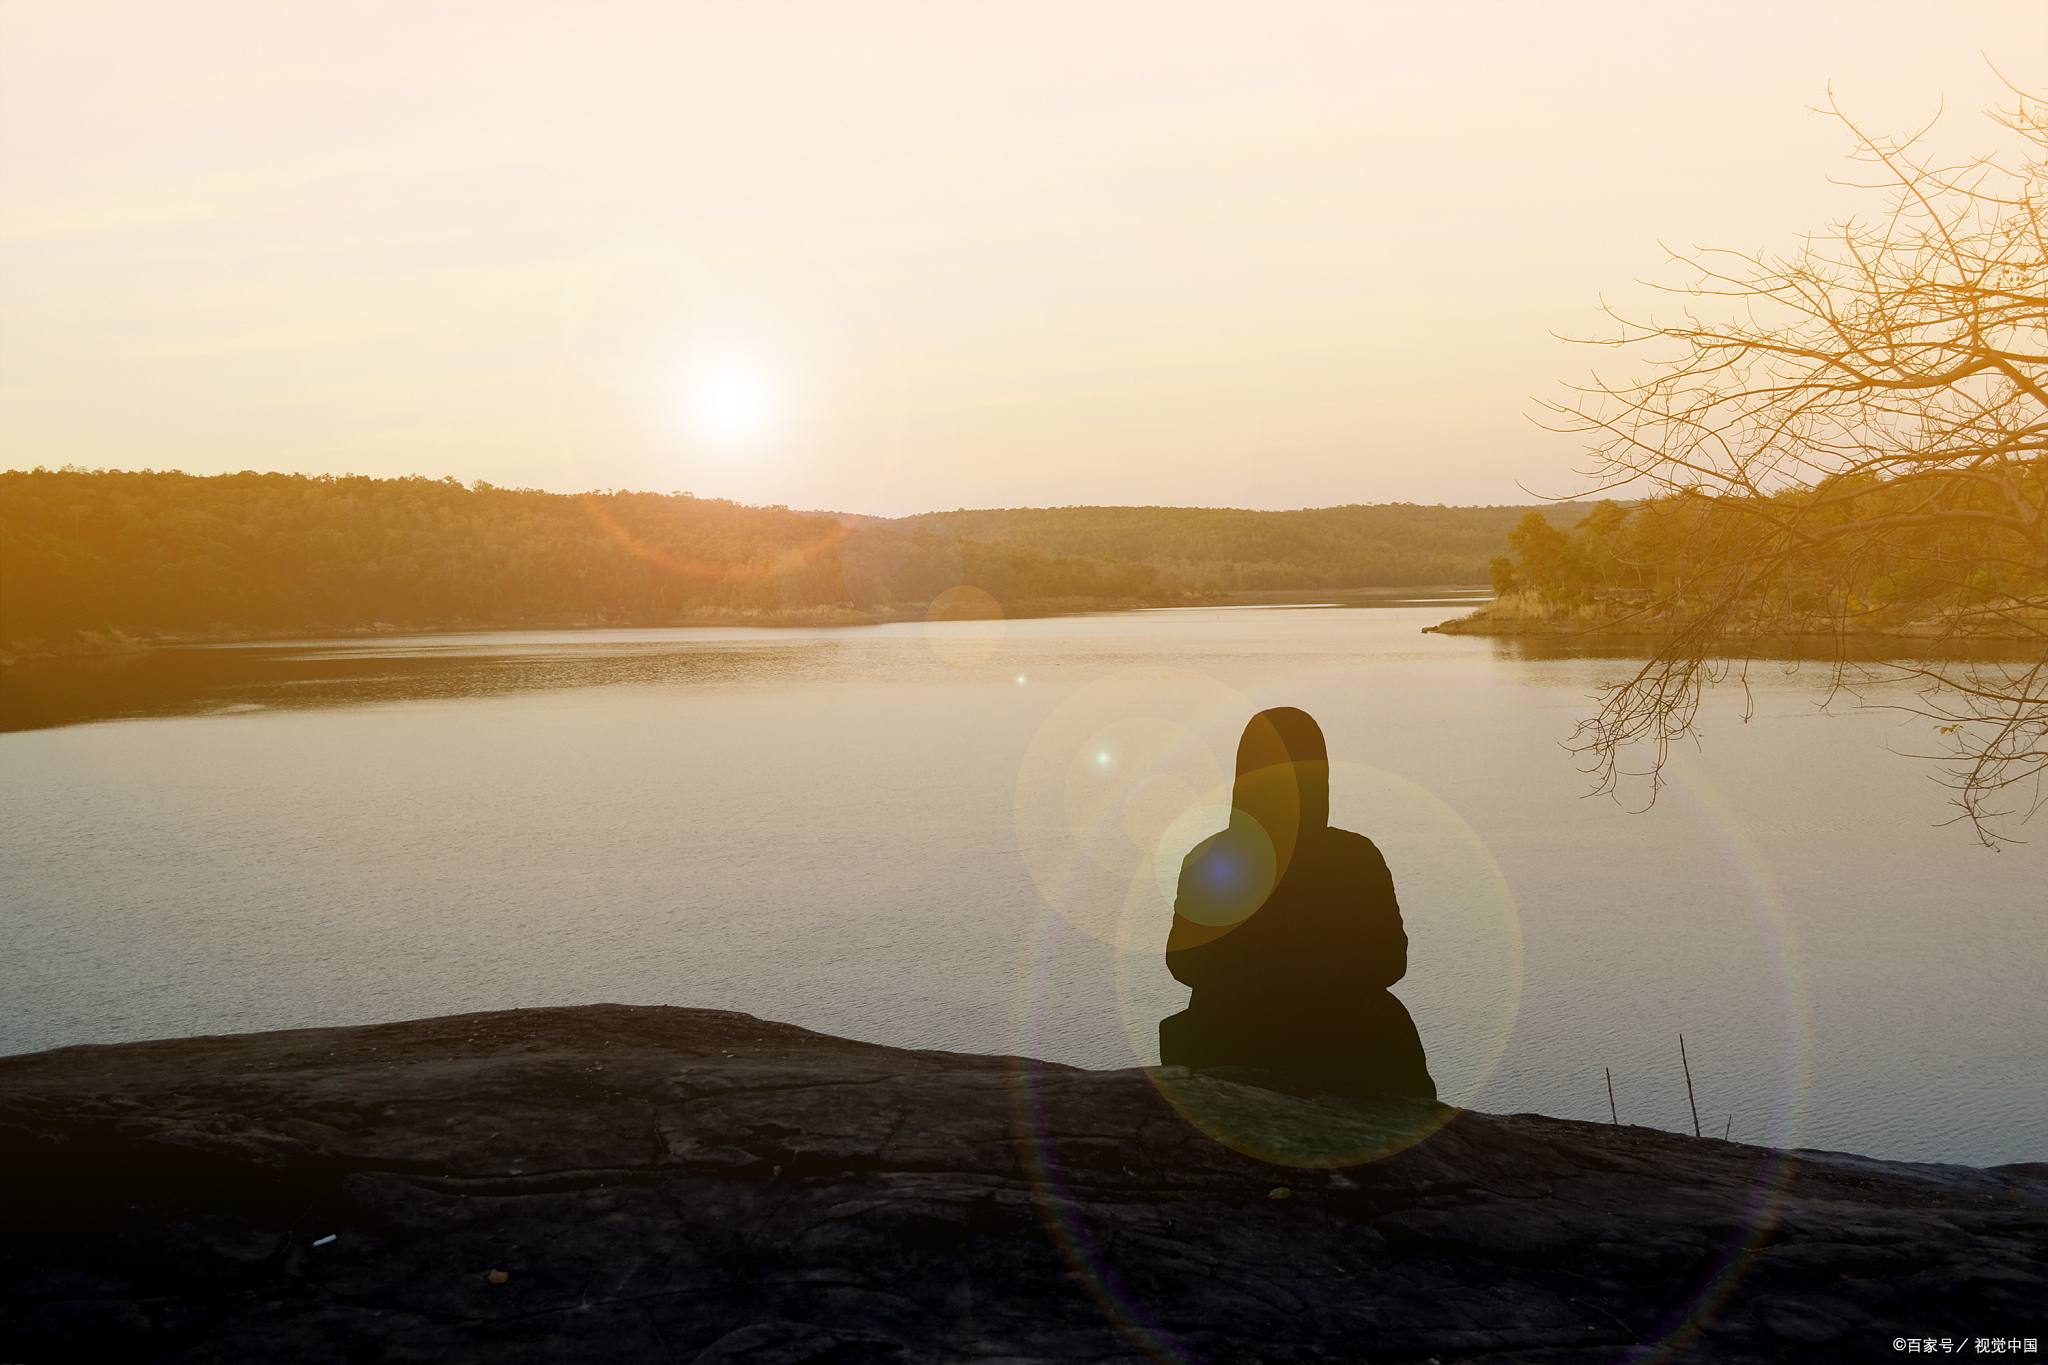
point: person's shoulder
(1345, 843)
(1201, 850)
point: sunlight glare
(730, 400)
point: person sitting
(1289, 932)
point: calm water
(955, 837)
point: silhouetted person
(1289, 932)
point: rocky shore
(614, 1183)
(1625, 616)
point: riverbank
(1632, 616)
(95, 644)
(963, 607)
(644, 1183)
(86, 644)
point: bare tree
(1854, 439)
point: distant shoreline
(115, 643)
(1479, 623)
(108, 644)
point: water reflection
(200, 680)
(206, 679)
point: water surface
(886, 833)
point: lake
(964, 835)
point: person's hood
(1281, 797)
(1283, 776)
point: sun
(730, 401)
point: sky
(896, 257)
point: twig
(1688, 1087)
(1610, 1096)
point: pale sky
(892, 257)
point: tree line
(168, 552)
(1881, 556)
(1226, 549)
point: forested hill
(1232, 549)
(145, 553)
(166, 553)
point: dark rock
(696, 1186)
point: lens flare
(1116, 766)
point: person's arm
(1189, 936)
(1381, 941)
(1185, 966)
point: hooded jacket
(1289, 931)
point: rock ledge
(657, 1184)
